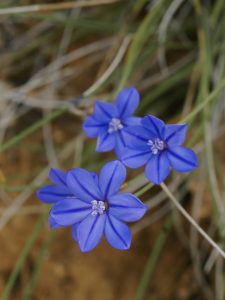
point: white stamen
(156, 146)
(98, 207)
(115, 125)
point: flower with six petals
(159, 147)
(108, 121)
(98, 209)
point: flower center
(98, 207)
(115, 125)
(156, 145)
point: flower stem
(191, 220)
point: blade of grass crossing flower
(153, 259)
(23, 256)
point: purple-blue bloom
(108, 121)
(159, 147)
(98, 208)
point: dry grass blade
(53, 6)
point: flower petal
(53, 193)
(83, 185)
(135, 158)
(126, 207)
(89, 232)
(182, 159)
(175, 134)
(106, 142)
(120, 144)
(154, 125)
(136, 137)
(95, 176)
(117, 233)
(127, 101)
(52, 223)
(132, 121)
(104, 112)
(57, 176)
(74, 232)
(111, 177)
(70, 211)
(157, 168)
(92, 127)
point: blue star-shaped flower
(108, 121)
(99, 208)
(159, 147)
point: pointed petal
(52, 223)
(105, 142)
(117, 233)
(136, 137)
(53, 193)
(57, 176)
(132, 121)
(175, 134)
(83, 185)
(92, 127)
(154, 125)
(135, 158)
(182, 159)
(120, 144)
(90, 231)
(127, 102)
(70, 211)
(111, 177)
(74, 232)
(104, 112)
(126, 207)
(95, 176)
(157, 168)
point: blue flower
(108, 121)
(158, 146)
(99, 208)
